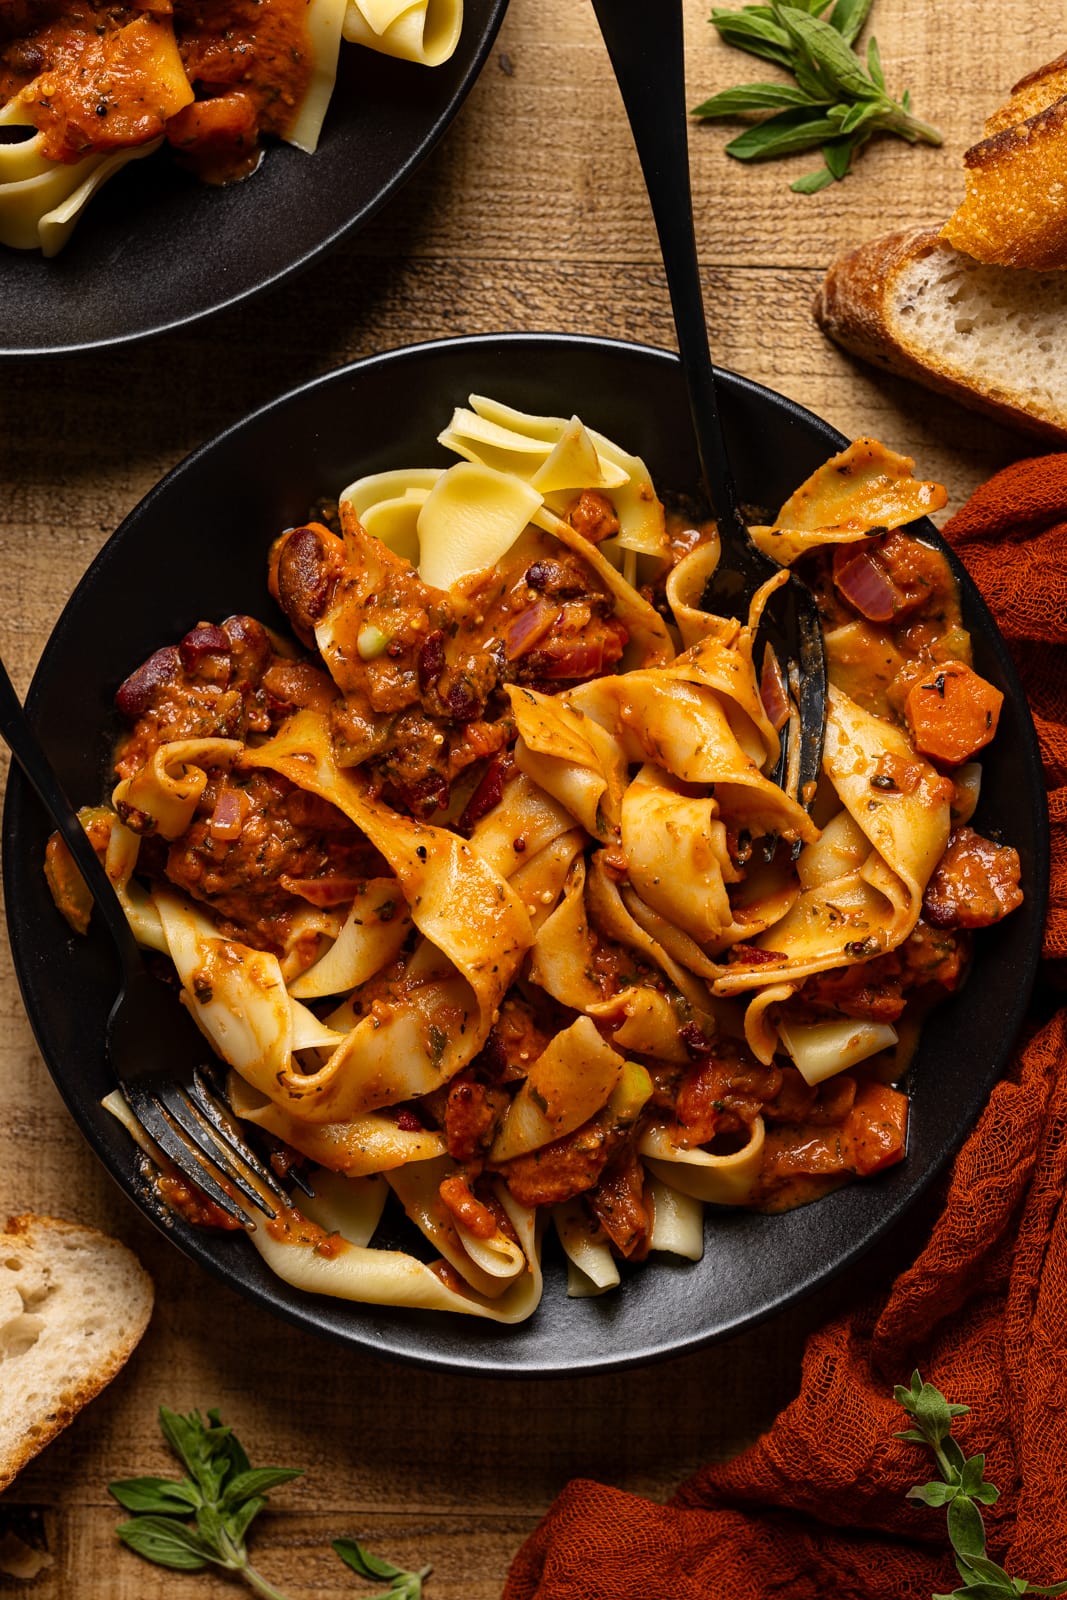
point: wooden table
(531, 216)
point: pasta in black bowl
(316, 442)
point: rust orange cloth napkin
(816, 1508)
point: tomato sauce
(99, 77)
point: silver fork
(646, 45)
(156, 1051)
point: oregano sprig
(962, 1490)
(402, 1585)
(202, 1519)
(837, 101)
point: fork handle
(18, 733)
(645, 41)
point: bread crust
(1015, 213)
(55, 1263)
(855, 307)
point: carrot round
(952, 712)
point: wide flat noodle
(683, 728)
(41, 200)
(390, 1277)
(465, 911)
(572, 758)
(423, 31)
(723, 1180)
(866, 487)
(677, 855)
(166, 791)
(873, 905)
(622, 478)
(322, 22)
(567, 1084)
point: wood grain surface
(530, 216)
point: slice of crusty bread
(73, 1304)
(1015, 210)
(1030, 95)
(991, 337)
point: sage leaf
(834, 97)
(257, 1481)
(987, 1570)
(754, 34)
(838, 157)
(360, 1560)
(828, 52)
(812, 182)
(932, 1494)
(857, 115)
(962, 1487)
(238, 1522)
(224, 1498)
(752, 97)
(848, 17)
(965, 1527)
(781, 135)
(402, 1585)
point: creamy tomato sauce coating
(91, 76)
(414, 694)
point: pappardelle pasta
(92, 86)
(493, 893)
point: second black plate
(157, 249)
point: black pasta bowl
(157, 249)
(196, 548)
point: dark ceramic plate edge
(466, 1344)
(162, 320)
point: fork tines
(199, 1134)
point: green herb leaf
(838, 157)
(165, 1542)
(834, 96)
(963, 1485)
(932, 1494)
(759, 35)
(848, 17)
(402, 1585)
(156, 1494)
(224, 1494)
(752, 97)
(257, 1481)
(812, 182)
(972, 1481)
(361, 1561)
(828, 52)
(782, 134)
(238, 1522)
(965, 1527)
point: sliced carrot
(876, 1128)
(952, 712)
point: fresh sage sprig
(962, 1490)
(402, 1585)
(837, 101)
